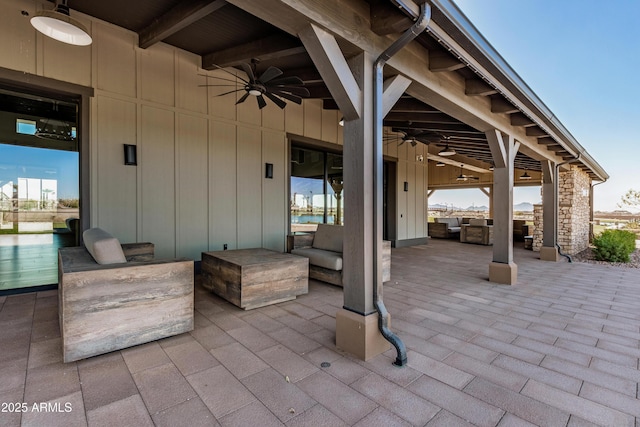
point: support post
(549, 250)
(503, 149)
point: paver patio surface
(560, 348)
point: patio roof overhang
(461, 86)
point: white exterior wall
(200, 180)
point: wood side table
(252, 278)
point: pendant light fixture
(525, 175)
(446, 151)
(59, 25)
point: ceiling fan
(463, 177)
(269, 84)
(412, 136)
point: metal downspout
(383, 316)
(555, 180)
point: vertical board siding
(193, 187)
(222, 186)
(249, 188)
(189, 94)
(156, 153)
(18, 42)
(157, 74)
(116, 183)
(116, 60)
(274, 192)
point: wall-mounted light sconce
(130, 155)
(420, 158)
(268, 170)
(406, 186)
(341, 122)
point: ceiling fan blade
(261, 102)
(286, 81)
(269, 74)
(217, 85)
(228, 72)
(231, 91)
(300, 91)
(247, 69)
(289, 96)
(279, 102)
(242, 98)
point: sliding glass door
(39, 187)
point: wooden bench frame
(103, 308)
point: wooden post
(503, 149)
(548, 251)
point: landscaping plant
(614, 245)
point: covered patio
(559, 348)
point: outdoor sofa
(324, 250)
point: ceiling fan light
(440, 164)
(461, 178)
(525, 176)
(255, 92)
(58, 25)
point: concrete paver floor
(560, 348)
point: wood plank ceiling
(224, 35)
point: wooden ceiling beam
(478, 87)
(180, 16)
(502, 106)
(271, 47)
(386, 19)
(440, 61)
(417, 116)
(536, 131)
(519, 119)
(408, 105)
(437, 127)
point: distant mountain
(477, 208)
(437, 206)
(523, 207)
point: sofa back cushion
(103, 247)
(328, 237)
(451, 222)
(477, 221)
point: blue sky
(28, 162)
(581, 57)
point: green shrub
(614, 245)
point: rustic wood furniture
(108, 307)
(477, 231)
(252, 278)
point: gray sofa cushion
(321, 258)
(328, 237)
(103, 247)
(451, 222)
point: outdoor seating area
(560, 348)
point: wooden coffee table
(251, 278)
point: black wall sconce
(130, 155)
(406, 186)
(268, 170)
